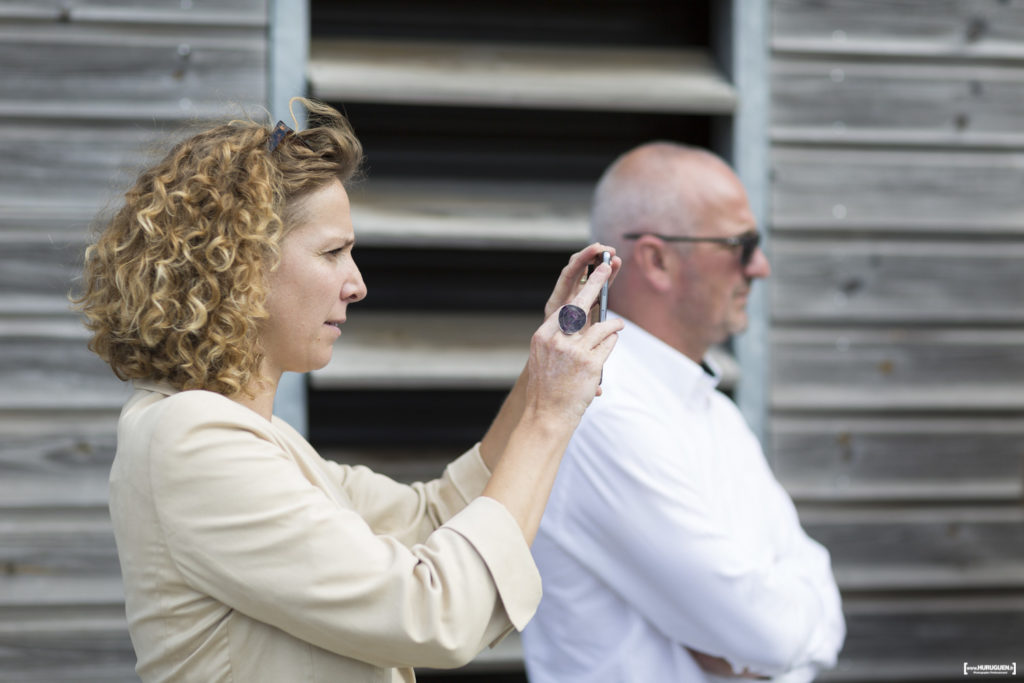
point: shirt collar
(693, 382)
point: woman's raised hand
(565, 368)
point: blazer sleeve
(412, 512)
(245, 527)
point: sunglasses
(747, 242)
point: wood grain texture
(46, 365)
(879, 458)
(927, 637)
(74, 70)
(868, 281)
(153, 12)
(938, 547)
(66, 642)
(86, 168)
(52, 458)
(906, 369)
(961, 29)
(897, 191)
(841, 101)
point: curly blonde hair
(175, 286)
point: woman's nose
(354, 288)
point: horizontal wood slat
(50, 458)
(37, 276)
(89, 165)
(82, 643)
(46, 366)
(444, 350)
(896, 282)
(845, 101)
(962, 29)
(471, 214)
(935, 191)
(892, 458)
(488, 74)
(187, 12)
(897, 368)
(928, 637)
(101, 68)
(921, 548)
(69, 543)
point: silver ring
(571, 319)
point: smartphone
(603, 314)
(607, 258)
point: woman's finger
(586, 297)
(569, 280)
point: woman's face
(312, 287)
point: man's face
(712, 285)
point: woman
(246, 556)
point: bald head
(658, 187)
(688, 294)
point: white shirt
(666, 530)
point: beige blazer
(248, 557)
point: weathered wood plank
(471, 214)
(921, 548)
(72, 70)
(491, 74)
(896, 282)
(46, 366)
(187, 12)
(36, 277)
(927, 637)
(89, 164)
(921, 28)
(890, 459)
(51, 458)
(843, 101)
(449, 350)
(897, 191)
(76, 642)
(58, 542)
(897, 368)
(27, 591)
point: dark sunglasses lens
(749, 246)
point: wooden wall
(897, 316)
(88, 90)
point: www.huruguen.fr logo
(990, 669)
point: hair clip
(280, 131)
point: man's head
(690, 295)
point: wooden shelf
(471, 214)
(546, 77)
(435, 351)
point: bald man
(668, 551)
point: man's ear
(652, 263)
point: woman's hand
(564, 370)
(568, 288)
(527, 439)
(571, 280)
